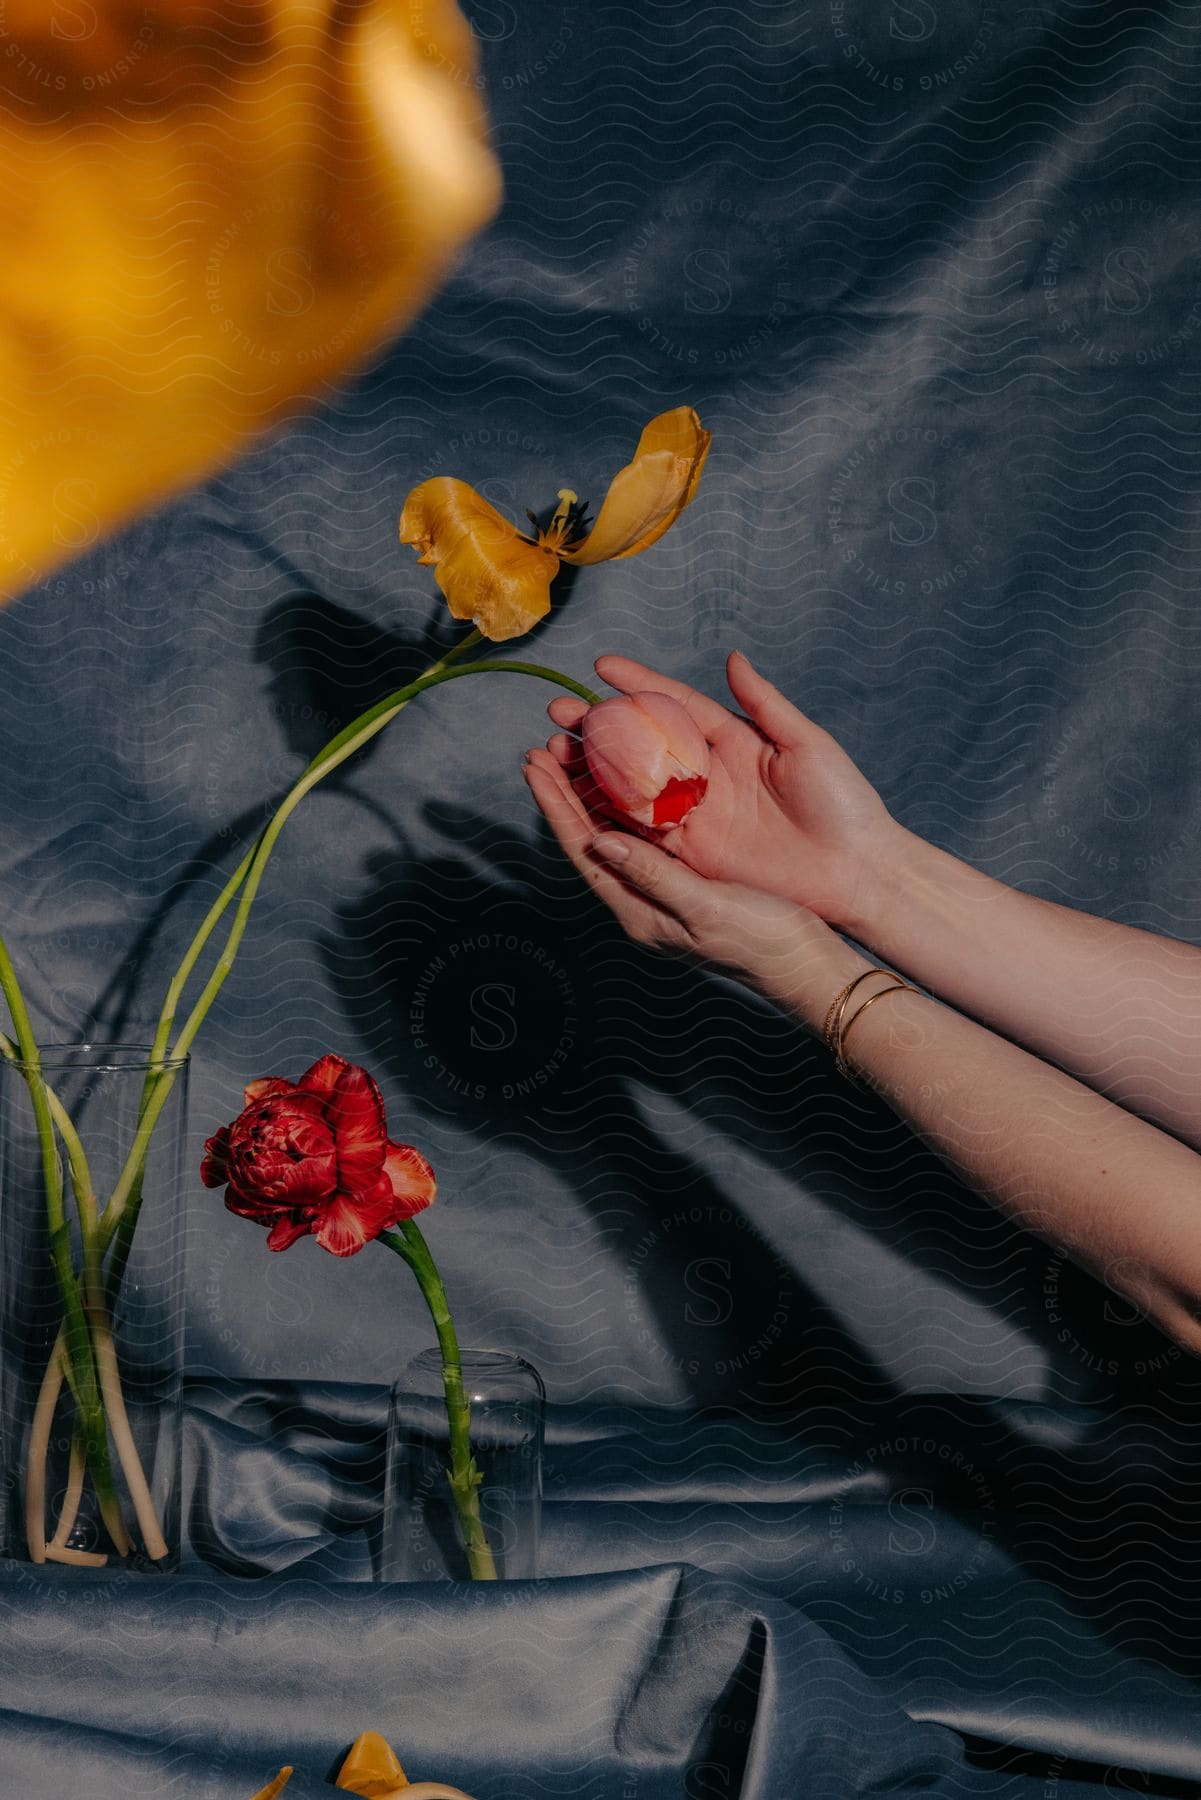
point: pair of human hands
(789, 834)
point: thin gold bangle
(838, 1007)
(840, 1060)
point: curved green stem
(166, 1018)
(31, 1069)
(75, 1325)
(463, 1476)
(360, 731)
(77, 1162)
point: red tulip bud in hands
(647, 756)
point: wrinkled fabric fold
(287, 1478)
(638, 1680)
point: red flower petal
(322, 1078)
(356, 1116)
(678, 799)
(214, 1170)
(248, 1206)
(266, 1084)
(287, 1228)
(351, 1220)
(412, 1179)
(282, 1151)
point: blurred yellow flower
(205, 212)
(499, 578)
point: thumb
(776, 717)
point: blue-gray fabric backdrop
(931, 272)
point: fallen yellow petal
(488, 572)
(206, 214)
(649, 494)
(371, 1769)
(274, 1787)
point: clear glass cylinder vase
(91, 1309)
(423, 1530)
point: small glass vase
(422, 1537)
(108, 1495)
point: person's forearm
(1121, 1197)
(1119, 1008)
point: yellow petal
(650, 493)
(274, 1787)
(206, 213)
(488, 572)
(371, 1769)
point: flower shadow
(494, 993)
(326, 665)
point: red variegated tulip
(315, 1156)
(648, 757)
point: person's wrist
(879, 882)
(803, 966)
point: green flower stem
(123, 1228)
(359, 732)
(463, 1476)
(75, 1325)
(114, 1399)
(166, 1019)
(77, 1162)
(31, 1069)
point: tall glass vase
(91, 1313)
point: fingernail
(611, 848)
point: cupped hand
(771, 943)
(787, 811)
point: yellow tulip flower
(204, 215)
(500, 578)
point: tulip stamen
(564, 522)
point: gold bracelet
(838, 1006)
(840, 1061)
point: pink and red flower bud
(648, 756)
